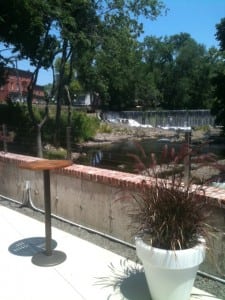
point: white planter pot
(170, 274)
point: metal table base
(49, 257)
(41, 259)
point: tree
(192, 74)
(26, 26)
(43, 30)
(75, 31)
(74, 88)
(77, 24)
(220, 34)
(115, 65)
(112, 72)
(218, 79)
(155, 65)
(177, 70)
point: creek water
(116, 155)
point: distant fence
(177, 118)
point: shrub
(170, 213)
(83, 126)
(55, 153)
(105, 128)
(16, 117)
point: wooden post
(68, 142)
(187, 159)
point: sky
(196, 17)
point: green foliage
(114, 71)
(48, 131)
(84, 127)
(68, 78)
(218, 107)
(16, 116)
(97, 49)
(105, 128)
(220, 34)
(55, 153)
(186, 67)
(218, 79)
(24, 25)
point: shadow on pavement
(29, 246)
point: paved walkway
(89, 272)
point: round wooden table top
(45, 164)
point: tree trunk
(38, 126)
(39, 141)
(68, 129)
(59, 93)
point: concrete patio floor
(89, 271)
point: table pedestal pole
(49, 257)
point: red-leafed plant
(170, 211)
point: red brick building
(16, 84)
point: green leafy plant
(83, 126)
(170, 213)
(105, 128)
(55, 153)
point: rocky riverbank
(119, 132)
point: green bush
(55, 153)
(48, 131)
(105, 128)
(16, 117)
(83, 126)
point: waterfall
(172, 118)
